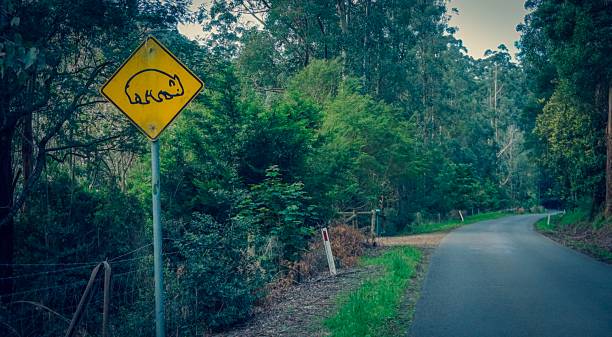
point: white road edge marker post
(548, 220)
(328, 251)
(461, 215)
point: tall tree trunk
(342, 7)
(608, 210)
(365, 46)
(27, 150)
(6, 203)
(495, 105)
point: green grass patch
(543, 226)
(452, 224)
(560, 221)
(570, 218)
(368, 310)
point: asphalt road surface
(501, 278)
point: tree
(54, 56)
(565, 46)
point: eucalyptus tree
(565, 48)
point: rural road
(501, 278)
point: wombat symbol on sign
(154, 84)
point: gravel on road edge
(301, 309)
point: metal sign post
(157, 242)
(151, 88)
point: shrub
(278, 215)
(213, 272)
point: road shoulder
(594, 243)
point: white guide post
(461, 215)
(328, 252)
(548, 220)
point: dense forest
(309, 108)
(565, 54)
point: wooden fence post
(373, 224)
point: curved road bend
(500, 278)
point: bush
(278, 215)
(213, 275)
(66, 220)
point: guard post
(328, 251)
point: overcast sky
(485, 24)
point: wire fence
(45, 297)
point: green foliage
(576, 217)
(365, 147)
(564, 48)
(319, 81)
(282, 135)
(360, 136)
(214, 270)
(368, 310)
(457, 186)
(257, 63)
(278, 214)
(77, 223)
(573, 147)
(196, 170)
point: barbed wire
(91, 263)
(57, 271)
(49, 264)
(83, 282)
(130, 252)
(127, 294)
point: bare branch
(253, 12)
(83, 145)
(42, 151)
(97, 101)
(507, 145)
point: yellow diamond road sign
(152, 87)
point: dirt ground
(430, 240)
(301, 310)
(596, 243)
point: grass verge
(573, 229)
(452, 224)
(368, 310)
(542, 225)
